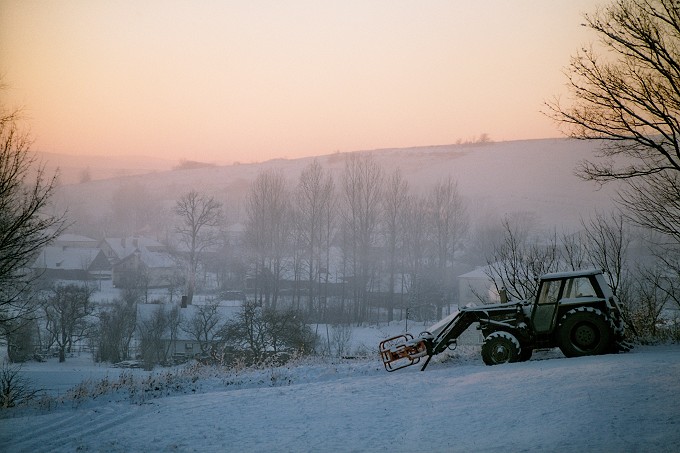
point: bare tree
(15, 389)
(26, 225)
(654, 202)
(573, 250)
(607, 240)
(67, 308)
(158, 333)
(415, 252)
(268, 231)
(114, 331)
(255, 331)
(23, 341)
(448, 220)
(394, 203)
(447, 224)
(653, 289)
(313, 198)
(287, 331)
(204, 326)
(628, 96)
(201, 217)
(669, 262)
(248, 331)
(362, 189)
(520, 259)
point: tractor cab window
(549, 292)
(578, 287)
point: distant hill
(532, 176)
(74, 169)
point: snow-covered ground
(613, 403)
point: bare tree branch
(627, 97)
(25, 225)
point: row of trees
(252, 336)
(69, 317)
(367, 234)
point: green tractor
(575, 311)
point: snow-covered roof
(76, 258)
(68, 238)
(479, 273)
(571, 274)
(123, 247)
(153, 259)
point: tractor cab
(559, 291)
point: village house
(72, 257)
(145, 268)
(139, 261)
(116, 249)
(66, 263)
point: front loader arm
(405, 350)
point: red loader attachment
(402, 351)
(405, 350)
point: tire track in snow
(64, 432)
(46, 429)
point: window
(549, 292)
(578, 287)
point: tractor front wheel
(584, 331)
(500, 347)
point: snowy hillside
(613, 403)
(535, 176)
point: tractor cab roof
(570, 274)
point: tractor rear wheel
(500, 347)
(584, 331)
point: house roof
(479, 273)
(124, 247)
(68, 238)
(67, 258)
(157, 259)
(152, 259)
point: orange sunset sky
(250, 80)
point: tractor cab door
(546, 306)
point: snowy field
(614, 403)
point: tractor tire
(500, 347)
(585, 331)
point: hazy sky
(251, 80)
